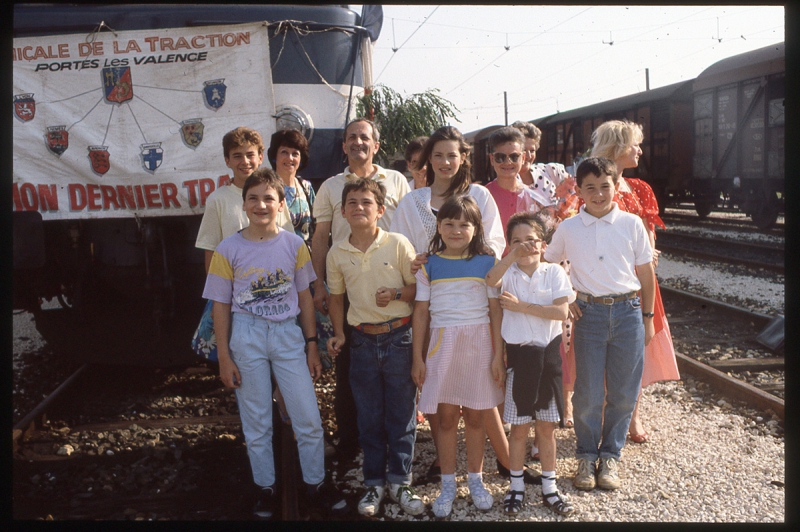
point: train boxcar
(716, 141)
(739, 133)
(665, 115)
(106, 223)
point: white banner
(117, 125)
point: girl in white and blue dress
(464, 368)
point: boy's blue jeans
(385, 396)
(260, 348)
(609, 359)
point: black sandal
(559, 506)
(512, 503)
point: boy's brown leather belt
(382, 328)
(605, 300)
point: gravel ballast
(707, 460)
(703, 463)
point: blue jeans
(609, 359)
(385, 397)
(260, 348)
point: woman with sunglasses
(509, 192)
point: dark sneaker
(325, 495)
(266, 503)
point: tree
(402, 119)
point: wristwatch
(397, 294)
(648, 314)
(312, 339)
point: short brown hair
(239, 137)
(365, 184)
(266, 176)
(291, 138)
(530, 131)
(506, 134)
(598, 166)
(524, 218)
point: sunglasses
(500, 158)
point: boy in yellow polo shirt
(374, 268)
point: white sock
(475, 477)
(448, 478)
(549, 482)
(517, 481)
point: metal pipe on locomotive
(715, 141)
(119, 115)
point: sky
(556, 58)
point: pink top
(509, 202)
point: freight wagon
(716, 140)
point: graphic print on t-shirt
(264, 291)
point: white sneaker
(409, 501)
(370, 503)
(481, 498)
(443, 504)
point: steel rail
(24, 424)
(757, 317)
(730, 386)
(724, 383)
(675, 250)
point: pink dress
(659, 355)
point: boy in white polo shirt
(611, 261)
(535, 300)
(374, 268)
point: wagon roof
(480, 134)
(618, 104)
(762, 62)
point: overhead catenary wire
(506, 51)
(585, 30)
(601, 51)
(627, 78)
(395, 50)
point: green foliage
(402, 119)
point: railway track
(741, 224)
(219, 493)
(750, 254)
(718, 372)
(27, 441)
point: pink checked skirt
(458, 369)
